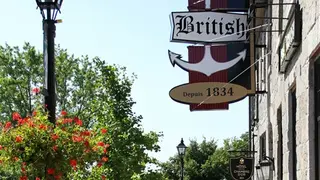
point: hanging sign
(241, 168)
(235, 83)
(208, 27)
(202, 92)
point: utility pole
(49, 10)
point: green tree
(197, 154)
(205, 161)
(90, 89)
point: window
(317, 116)
(263, 148)
(280, 25)
(279, 144)
(292, 126)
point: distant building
(285, 119)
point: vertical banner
(196, 54)
(194, 5)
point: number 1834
(220, 91)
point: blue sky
(134, 34)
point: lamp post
(49, 10)
(181, 151)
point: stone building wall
(299, 74)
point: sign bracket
(260, 46)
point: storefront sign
(241, 168)
(204, 27)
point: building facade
(285, 113)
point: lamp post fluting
(181, 151)
(49, 10)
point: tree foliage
(97, 93)
(205, 161)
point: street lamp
(49, 10)
(266, 165)
(181, 151)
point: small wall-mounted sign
(241, 168)
(208, 27)
(291, 38)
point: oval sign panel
(209, 92)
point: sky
(134, 34)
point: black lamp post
(49, 10)
(181, 151)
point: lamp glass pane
(265, 171)
(259, 174)
(181, 150)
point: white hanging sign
(208, 27)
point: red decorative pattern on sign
(218, 4)
(219, 53)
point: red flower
(30, 123)
(36, 90)
(16, 116)
(73, 162)
(22, 121)
(18, 139)
(76, 138)
(67, 120)
(58, 176)
(23, 178)
(34, 113)
(99, 164)
(23, 169)
(37, 178)
(105, 159)
(55, 148)
(54, 137)
(105, 150)
(87, 150)
(101, 143)
(103, 177)
(42, 126)
(1, 147)
(77, 121)
(7, 125)
(103, 131)
(86, 143)
(63, 113)
(50, 171)
(85, 133)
